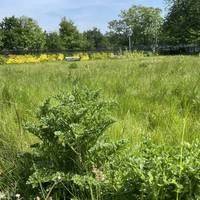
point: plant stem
(181, 155)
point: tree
(1, 40)
(21, 34)
(71, 38)
(144, 22)
(53, 41)
(182, 24)
(118, 33)
(33, 36)
(95, 39)
(10, 28)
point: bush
(18, 59)
(162, 172)
(70, 158)
(101, 56)
(2, 59)
(94, 56)
(82, 56)
(135, 54)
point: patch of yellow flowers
(94, 56)
(18, 59)
(107, 55)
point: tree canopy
(147, 26)
(53, 41)
(182, 23)
(21, 34)
(95, 39)
(144, 22)
(69, 34)
(1, 40)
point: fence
(165, 50)
(68, 51)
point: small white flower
(2, 195)
(17, 196)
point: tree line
(139, 24)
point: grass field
(156, 96)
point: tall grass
(155, 95)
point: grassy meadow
(157, 97)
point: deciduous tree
(182, 24)
(21, 34)
(144, 22)
(71, 38)
(53, 41)
(95, 39)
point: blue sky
(85, 13)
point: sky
(85, 14)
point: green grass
(154, 95)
